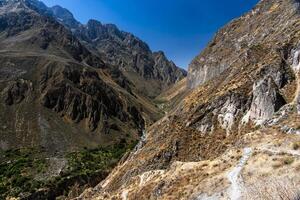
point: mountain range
(68, 87)
(92, 76)
(90, 112)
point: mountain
(132, 56)
(236, 133)
(173, 96)
(44, 67)
(127, 52)
(67, 113)
(65, 17)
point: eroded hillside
(236, 136)
(68, 114)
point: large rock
(266, 101)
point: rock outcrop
(65, 17)
(17, 91)
(266, 101)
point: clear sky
(180, 28)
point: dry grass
(273, 189)
(282, 161)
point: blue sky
(181, 28)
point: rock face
(296, 68)
(65, 17)
(125, 51)
(232, 42)
(264, 106)
(57, 92)
(17, 91)
(81, 94)
(132, 56)
(245, 96)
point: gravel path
(234, 191)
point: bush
(296, 145)
(18, 170)
(288, 161)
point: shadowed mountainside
(124, 50)
(59, 94)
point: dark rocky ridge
(44, 66)
(125, 51)
(59, 94)
(81, 94)
(117, 48)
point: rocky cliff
(45, 67)
(59, 96)
(132, 56)
(125, 51)
(236, 135)
(75, 71)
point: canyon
(229, 128)
(235, 134)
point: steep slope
(125, 51)
(45, 67)
(173, 96)
(236, 135)
(58, 100)
(132, 56)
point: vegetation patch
(20, 171)
(296, 145)
(17, 171)
(288, 160)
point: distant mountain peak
(118, 48)
(159, 53)
(94, 21)
(64, 16)
(7, 6)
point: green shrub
(18, 169)
(296, 145)
(288, 161)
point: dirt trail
(124, 195)
(296, 100)
(235, 190)
(296, 68)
